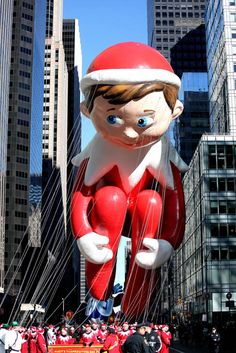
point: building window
(213, 184)
(23, 110)
(24, 74)
(215, 255)
(232, 254)
(25, 62)
(233, 33)
(23, 98)
(222, 184)
(22, 148)
(26, 28)
(26, 39)
(221, 157)
(25, 50)
(223, 207)
(24, 86)
(27, 5)
(27, 17)
(233, 17)
(232, 2)
(22, 122)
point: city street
(180, 348)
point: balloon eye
(142, 122)
(112, 119)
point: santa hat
(126, 323)
(103, 325)
(129, 63)
(40, 330)
(87, 326)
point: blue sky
(104, 23)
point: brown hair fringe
(123, 93)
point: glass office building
(169, 21)
(221, 60)
(6, 9)
(24, 131)
(205, 268)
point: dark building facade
(24, 136)
(189, 53)
(169, 21)
(6, 9)
(73, 57)
(194, 121)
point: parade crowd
(118, 338)
(125, 338)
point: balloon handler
(128, 180)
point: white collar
(104, 155)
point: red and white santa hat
(129, 63)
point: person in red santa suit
(102, 333)
(64, 337)
(25, 336)
(128, 181)
(165, 339)
(124, 333)
(88, 338)
(95, 330)
(36, 341)
(111, 343)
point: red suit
(25, 344)
(133, 193)
(37, 344)
(165, 339)
(88, 338)
(102, 336)
(123, 335)
(65, 340)
(111, 344)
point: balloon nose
(131, 133)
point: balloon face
(134, 124)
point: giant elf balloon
(128, 180)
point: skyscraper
(6, 9)
(221, 60)
(55, 96)
(73, 57)
(24, 115)
(205, 272)
(54, 180)
(72, 47)
(169, 21)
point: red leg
(107, 219)
(146, 215)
